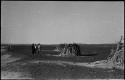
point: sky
(53, 22)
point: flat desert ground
(18, 63)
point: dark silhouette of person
(33, 49)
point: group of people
(35, 48)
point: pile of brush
(116, 58)
(70, 50)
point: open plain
(17, 62)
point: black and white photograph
(62, 40)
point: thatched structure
(116, 58)
(114, 61)
(70, 50)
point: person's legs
(33, 52)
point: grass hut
(70, 50)
(116, 58)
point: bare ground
(18, 66)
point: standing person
(38, 48)
(33, 49)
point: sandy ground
(13, 75)
(64, 63)
(7, 59)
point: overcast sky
(51, 22)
